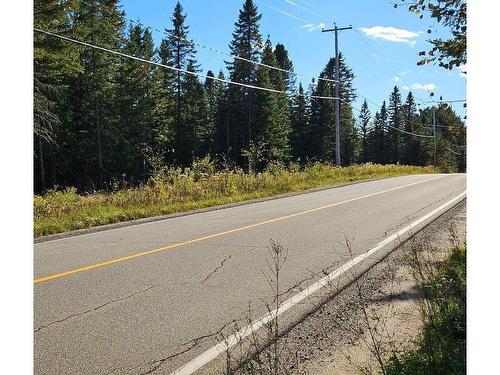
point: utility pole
(434, 131)
(337, 86)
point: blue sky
(382, 50)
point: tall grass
(442, 345)
(172, 190)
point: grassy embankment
(442, 346)
(174, 190)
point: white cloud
(397, 78)
(421, 86)
(392, 34)
(313, 27)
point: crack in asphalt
(217, 268)
(192, 344)
(95, 308)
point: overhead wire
(200, 75)
(377, 56)
(400, 130)
(213, 49)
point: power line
(121, 54)
(377, 55)
(213, 49)
(446, 101)
(285, 13)
(400, 130)
(392, 127)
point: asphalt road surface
(132, 300)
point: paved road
(123, 301)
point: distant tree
(364, 125)
(451, 138)
(165, 102)
(196, 131)
(182, 52)
(378, 137)
(215, 94)
(396, 125)
(322, 123)
(54, 62)
(283, 62)
(412, 144)
(91, 139)
(299, 125)
(349, 137)
(322, 118)
(135, 100)
(242, 110)
(274, 115)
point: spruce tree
(411, 144)
(322, 121)
(377, 140)
(349, 138)
(364, 124)
(195, 133)
(273, 117)
(214, 91)
(242, 110)
(323, 115)
(283, 62)
(164, 113)
(300, 126)
(396, 124)
(54, 63)
(182, 52)
(93, 140)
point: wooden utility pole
(337, 86)
(434, 133)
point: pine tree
(92, 139)
(411, 144)
(300, 126)
(322, 121)
(274, 108)
(323, 115)
(283, 62)
(349, 139)
(396, 124)
(214, 91)
(195, 132)
(182, 50)
(163, 143)
(242, 109)
(54, 62)
(364, 123)
(222, 133)
(377, 140)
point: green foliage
(99, 119)
(173, 189)
(449, 53)
(442, 347)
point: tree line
(100, 119)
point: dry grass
(173, 190)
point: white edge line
(212, 353)
(438, 175)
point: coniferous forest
(102, 119)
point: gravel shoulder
(339, 337)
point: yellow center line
(214, 235)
